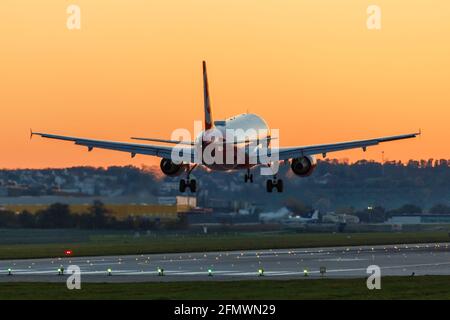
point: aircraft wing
(132, 148)
(286, 153)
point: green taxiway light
(160, 271)
(209, 272)
(261, 272)
(109, 271)
(305, 272)
(9, 272)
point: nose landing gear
(188, 183)
(248, 177)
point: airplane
(299, 219)
(276, 216)
(302, 159)
(285, 216)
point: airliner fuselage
(235, 134)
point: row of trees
(59, 215)
(411, 208)
(333, 184)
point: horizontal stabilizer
(252, 140)
(164, 141)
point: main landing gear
(191, 184)
(248, 177)
(274, 183)
(188, 183)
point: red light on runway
(68, 252)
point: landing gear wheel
(279, 186)
(193, 185)
(269, 185)
(182, 185)
(275, 183)
(248, 176)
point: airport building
(419, 219)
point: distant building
(220, 204)
(186, 201)
(167, 200)
(168, 187)
(419, 219)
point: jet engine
(303, 166)
(169, 168)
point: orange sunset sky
(310, 68)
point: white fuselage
(238, 129)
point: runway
(340, 262)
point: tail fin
(207, 102)
(315, 215)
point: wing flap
(132, 148)
(292, 152)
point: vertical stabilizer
(207, 101)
